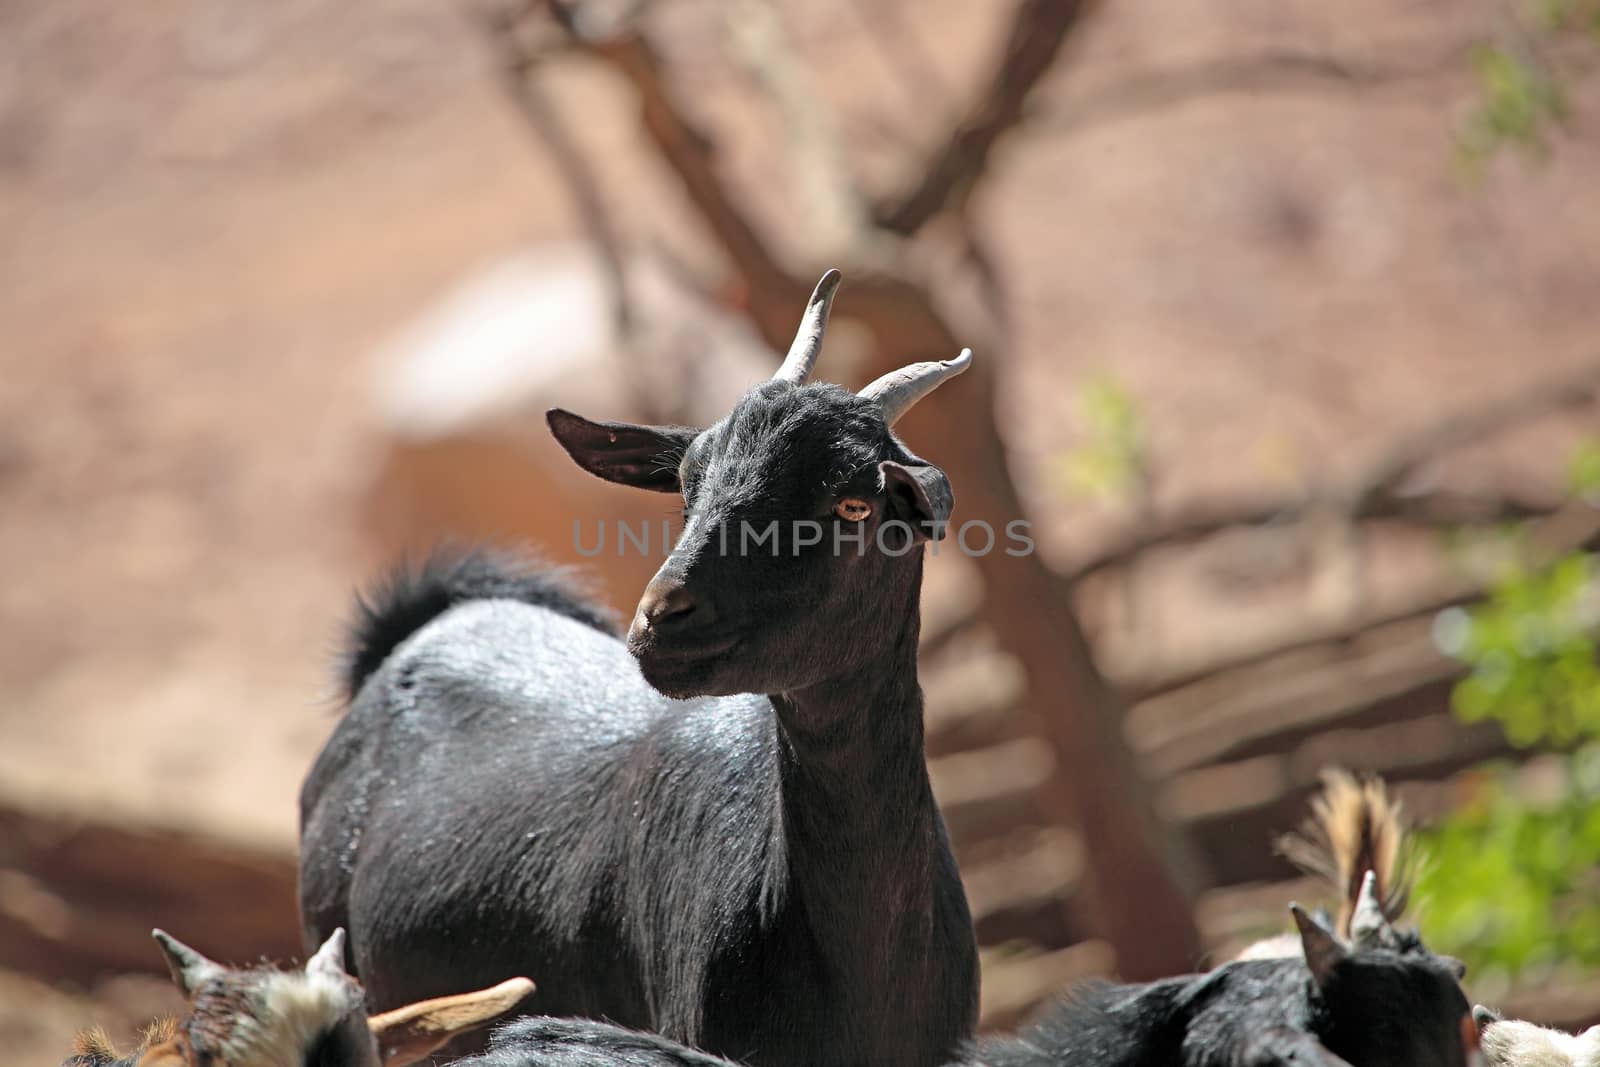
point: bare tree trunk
(1139, 873)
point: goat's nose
(668, 605)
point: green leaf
(1583, 473)
(1519, 100)
(1112, 458)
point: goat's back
(506, 791)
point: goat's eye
(852, 509)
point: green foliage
(1521, 102)
(1531, 649)
(1111, 460)
(1522, 94)
(1584, 472)
(1556, 15)
(1510, 883)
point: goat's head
(313, 1017)
(804, 518)
(1384, 998)
(1513, 1043)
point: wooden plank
(78, 898)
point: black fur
(753, 865)
(1380, 1009)
(409, 597)
(89, 1059)
(543, 1042)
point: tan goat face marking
(174, 1053)
(267, 1018)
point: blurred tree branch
(836, 218)
(1573, 527)
(897, 41)
(1377, 491)
(1272, 71)
(1401, 459)
(615, 40)
(517, 59)
(945, 181)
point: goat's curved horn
(329, 959)
(1369, 926)
(807, 344)
(898, 390)
(189, 969)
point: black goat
(1372, 1007)
(1367, 1006)
(1355, 827)
(766, 876)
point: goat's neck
(862, 834)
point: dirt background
(216, 219)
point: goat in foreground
(721, 831)
(1366, 1005)
(314, 1017)
(1512, 1043)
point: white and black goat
(721, 831)
(1513, 1043)
(313, 1017)
(1331, 1005)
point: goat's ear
(919, 494)
(1285, 1047)
(645, 457)
(1484, 1016)
(405, 1035)
(329, 959)
(1322, 950)
(189, 969)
